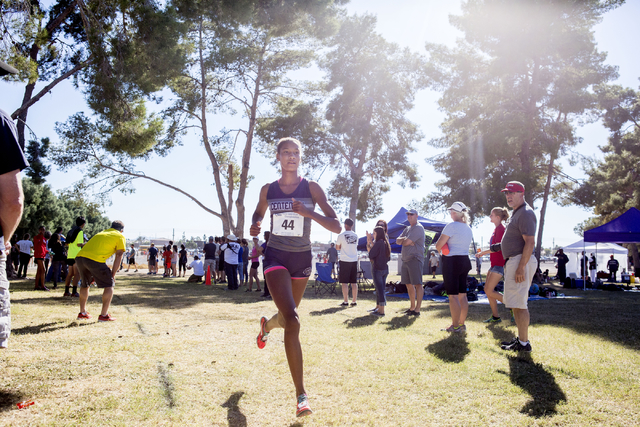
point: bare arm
(329, 220)
(11, 204)
(258, 214)
(529, 244)
(441, 242)
(116, 262)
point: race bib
(288, 224)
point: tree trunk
(543, 210)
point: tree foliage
(362, 132)
(36, 152)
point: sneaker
(84, 316)
(407, 311)
(516, 346)
(377, 313)
(66, 294)
(303, 408)
(344, 304)
(106, 318)
(452, 329)
(462, 328)
(263, 335)
(506, 343)
(373, 310)
(75, 295)
(354, 304)
(413, 313)
(493, 320)
(136, 271)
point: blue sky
(157, 212)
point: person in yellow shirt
(91, 262)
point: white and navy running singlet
(289, 231)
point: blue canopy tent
(398, 223)
(624, 229)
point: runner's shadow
(402, 321)
(45, 327)
(538, 383)
(452, 349)
(359, 322)
(8, 400)
(330, 310)
(500, 333)
(234, 416)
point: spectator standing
(12, 162)
(221, 263)
(152, 259)
(593, 266)
(434, 262)
(332, 257)
(262, 250)
(47, 257)
(174, 261)
(412, 255)
(75, 241)
(380, 254)
(245, 261)
(240, 264)
(198, 270)
(231, 249)
(562, 261)
(58, 258)
(612, 266)
(91, 263)
(347, 244)
(131, 259)
(253, 272)
(166, 258)
(24, 246)
(583, 266)
(183, 261)
(498, 217)
(520, 265)
(456, 264)
(210, 251)
(39, 253)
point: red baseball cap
(514, 187)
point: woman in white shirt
(457, 235)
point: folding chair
(324, 282)
(365, 277)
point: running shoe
(66, 294)
(516, 346)
(493, 320)
(263, 335)
(354, 303)
(373, 310)
(75, 295)
(303, 409)
(462, 328)
(344, 304)
(513, 341)
(377, 313)
(106, 318)
(413, 313)
(452, 329)
(84, 316)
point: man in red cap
(520, 265)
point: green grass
(185, 354)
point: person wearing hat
(210, 251)
(91, 262)
(12, 162)
(231, 249)
(457, 235)
(198, 270)
(412, 255)
(612, 266)
(517, 245)
(347, 244)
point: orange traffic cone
(207, 281)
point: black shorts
(298, 264)
(454, 271)
(348, 272)
(132, 260)
(71, 261)
(89, 268)
(255, 265)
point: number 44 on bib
(288, 224)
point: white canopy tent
(603, 252)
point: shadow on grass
(500, 333)
(359, 322)
(235, 417)
(45, 327)
(400, 322)
(540, 384)
(8, 400)
(452, 349)
(330, 310)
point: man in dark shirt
(520, 265)
(152, 259)
(12, 161)
(210, 251)
(332, 254)
(613, 266)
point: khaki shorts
(516, 295)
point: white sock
(523, 343)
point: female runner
(287, 260)
(498, 216)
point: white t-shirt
(348, 242)
(231, 250)
(460, 237)
(198, 269)
(25, 246)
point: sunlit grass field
(185, 354)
